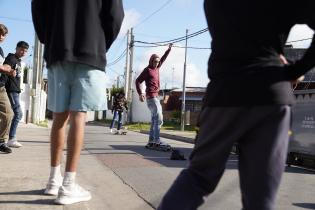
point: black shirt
(12, 84)
(79, 31)
(2, 79)
(247, 38)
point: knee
(10, 114)
(20, 114)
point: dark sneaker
(4, 148)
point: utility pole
(173, 71)
(129, 96)
(127, 66)
(182, 122)
(35, 92)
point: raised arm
(163, 58)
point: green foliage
(43, 123)
(167, 125)
(176, 114)
(115, 90)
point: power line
(158, 10)
(299, 40)
(117, 59)
(16, 19)
(162, 43)
(194, 48)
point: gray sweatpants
(262, 136)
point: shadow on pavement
(38, 202)
(162, 158)
(305, 205)
(28, 192)
(299, 170)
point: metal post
(34, 92)
(184, 88)
(130, 83)
(127, 67)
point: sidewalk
(25, 171)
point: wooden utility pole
(184, 88)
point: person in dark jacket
(6, 113)
(76, 35)
(247, 101)
(119, 105)
(13, 87)
(151, 76)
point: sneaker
(53, 186)
(4, 148)
(111, 130)
(72, 194)
(14, 143)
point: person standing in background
(6, 113)
(13, 87)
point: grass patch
(43, 123)
(166, 126)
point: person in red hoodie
(151, 76)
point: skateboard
(123, 131)
(158, 147)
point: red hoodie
(151, 76)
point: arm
(39, 10)
(163, 58)
(112, 15)
(139, 80)
(307, 62)
(6, 69)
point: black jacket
(12, 84)
(247, 38)
(77, 30)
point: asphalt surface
(122, 174)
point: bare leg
(57, 137)
(75, 140)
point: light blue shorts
(76, 87)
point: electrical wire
(117, 59)
(16, 19)
(158, 10)
(163, 43)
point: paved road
(150, 173)
(122, 175)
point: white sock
(69, 179)
(55, 172)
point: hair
(22, 44)
(3, 29)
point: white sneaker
(72, 194)
(111, 130)
(14, 143)
(53, 186)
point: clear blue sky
(169, 22)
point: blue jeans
(119, 115)
(15, 104)
(156, 118)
